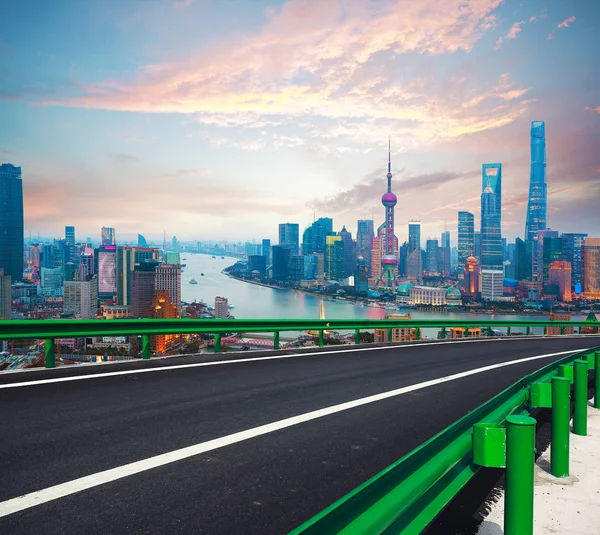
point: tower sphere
(389, 199)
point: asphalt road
(56, 432)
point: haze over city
(219, 119)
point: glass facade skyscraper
(466, 229)
(536, 206)
(492, 255)
(289, 236)
(414, 236)
(364, 240)
(11, 221)
(572, 244)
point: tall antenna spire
(389, 154)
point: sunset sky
(221, 119)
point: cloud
(183, 4)
(119, 157)
(596, 109)
(565, 23)
(512, 33)
(337, 62)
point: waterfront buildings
(389, 259)
(11, 221)
(431, 246)
(552, 251)
(361, 276)
(471, 276)
(257, 266)
(572, 244)
(466, 229)
(537, 268)
(492, 254)
(141, 241)
(536, 205)
(334, 258)
(81, 298)
(414, 236)
(425, 295)
(591, 268)
(414, 266)
(289, 236)
(477, 245)
(168, 278)
(559, 275)
(349, 252)
(492, 288)
(5, 296)
(281, 255)
(523, 259)
(221, 307)
(364, 240)
(107, 236)
(266, 251)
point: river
(254, 301)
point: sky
(212, 119)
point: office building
(266, 251)
(145, 254)
(168, 278)
(572, 244)
(107, 271)
(107, 236)
(334, 258)
(552, 251)
(47, 259)
(492, 254)
(81, 298)
(257, 265)
(349, 252)
(425, 295)
(319, 231)
(221, 308)
(86, 264)
(492, 287)
(414, 236)
(471, 278)
(431, 246)
(536, 205)
(70, 244)
(466, 238)
(361, 277)
(125, 267)
(402, 256)
(537, 267)
(364, 240)
(559, 275)
(281, 256)
(173, 257)
(11, 221)
(161, 308)
(142, 242)
(477, 245)
(591, 268)
(5, 296)
(414, 266)
(143, 285)
(296, 267)
(523, 259)
(289, 236)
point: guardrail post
(276, 340)
(489, 332)
(217, 342)
(520, 450)
(417, 333)
(390, 334)
(561, 416)
(545, 330)
(508, 331)
(466, 332)
(443, 333)
(562, 330)
(528, 331)
(321, 338)
(50, 355)
(580, 377)
(145, 346)
(566, 370)
(357, 336)
(597, 380)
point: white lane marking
(236, 361)
(32, 499)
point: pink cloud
(596, 109)
(565, 23)
(514, 30)
(183, 4)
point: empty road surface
(252, 445)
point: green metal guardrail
(409, 494)
(53, 329)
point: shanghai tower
(389, 261)
(536, 206)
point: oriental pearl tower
(389, 262)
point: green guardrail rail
(405, 497)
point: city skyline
(152, 127)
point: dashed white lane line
(56, 492)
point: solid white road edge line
(221, 362)
(32, 499)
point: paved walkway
(566, 506)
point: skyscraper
(125, 267)
(364, 240)
(142, 241)
(536, 205)
(280, 255)
(107, 236)
(334, 258)
(143, 286)
(5, 296)
(81, 297)
(389, 260)
(553, 251)
(414, 236)
(320, 229)
(266, 251)
(572, 244)
(591, 268)
(432, 255)
(349, 252)
(492, 255)
(289, 236)
(70, 244)
(559, 274)
(537, 268)
(466, 229)
(168, 277)
(107, 272)
(11, 221)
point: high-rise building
(142, 241)
(523, 259)
(477, 245)
(320, 229)
(11, 221)
(492, 286)
(221, 307)
(257, 265)
(349, 252)
(536, 205)
(107, 271)
(125, 267)
(471, 278)
(559, 274)
(414, 266)
(5, 296)
(161, 308)
(591, 268)
(281, 256)
(168, 277)
(145, 254)
(334, 258)
(572, 244)
(296, 267)
(81, 298)
(389, 259)
(432, 249)
(552, 251)
(143, 285)
(86, 264)
(445, 242)
(364, 240)
(414, 236)
(266, 251)
(47, 260)
(289, 236)
(361, 277)
(173, 257)
(402, 256)
(492, 255)
(537, 266)
(307, 240)
(70, 244)
(107, 236)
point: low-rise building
(425, 295)
(399, 334)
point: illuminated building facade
(591, 268)
(471, 282)
(559, 274)
(466, 229)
